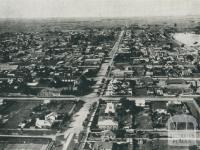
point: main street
(78, 118)
(114, 52)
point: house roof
(42, 122)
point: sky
(97, 8)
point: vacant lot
(17, 143)
(25, 147)
(143, 120)
(16, 111)
(61, 106)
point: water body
(189, 39)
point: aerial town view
(99, 83)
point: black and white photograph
(99, 74)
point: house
(198, 91)
(149, 73)
(21, 125)
(107, 135)
(161, 111)
(159, 92)
(140, 103)
(109, 91)
(50, 92)
(34, 83)
(51, 117)
(110, 108)
(1, 101)
(107, 124)
(42, 123)
(47, 123)
(150, 91)
(186, 72)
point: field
(16, 112)
(25, 147)
(18, 143)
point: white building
(51, 117)
(42, 123)
(140, 103)
(1, 101)
(47, 123)
(110, 108)
(107, 135)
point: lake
(189, 39)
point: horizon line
(98, 17)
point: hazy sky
(97, 8)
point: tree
(193, 147)
(125, 103)
(57, 82)
(123, 146)
(120, 133)
(190, 57)
(83, 84)
(6, 57)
